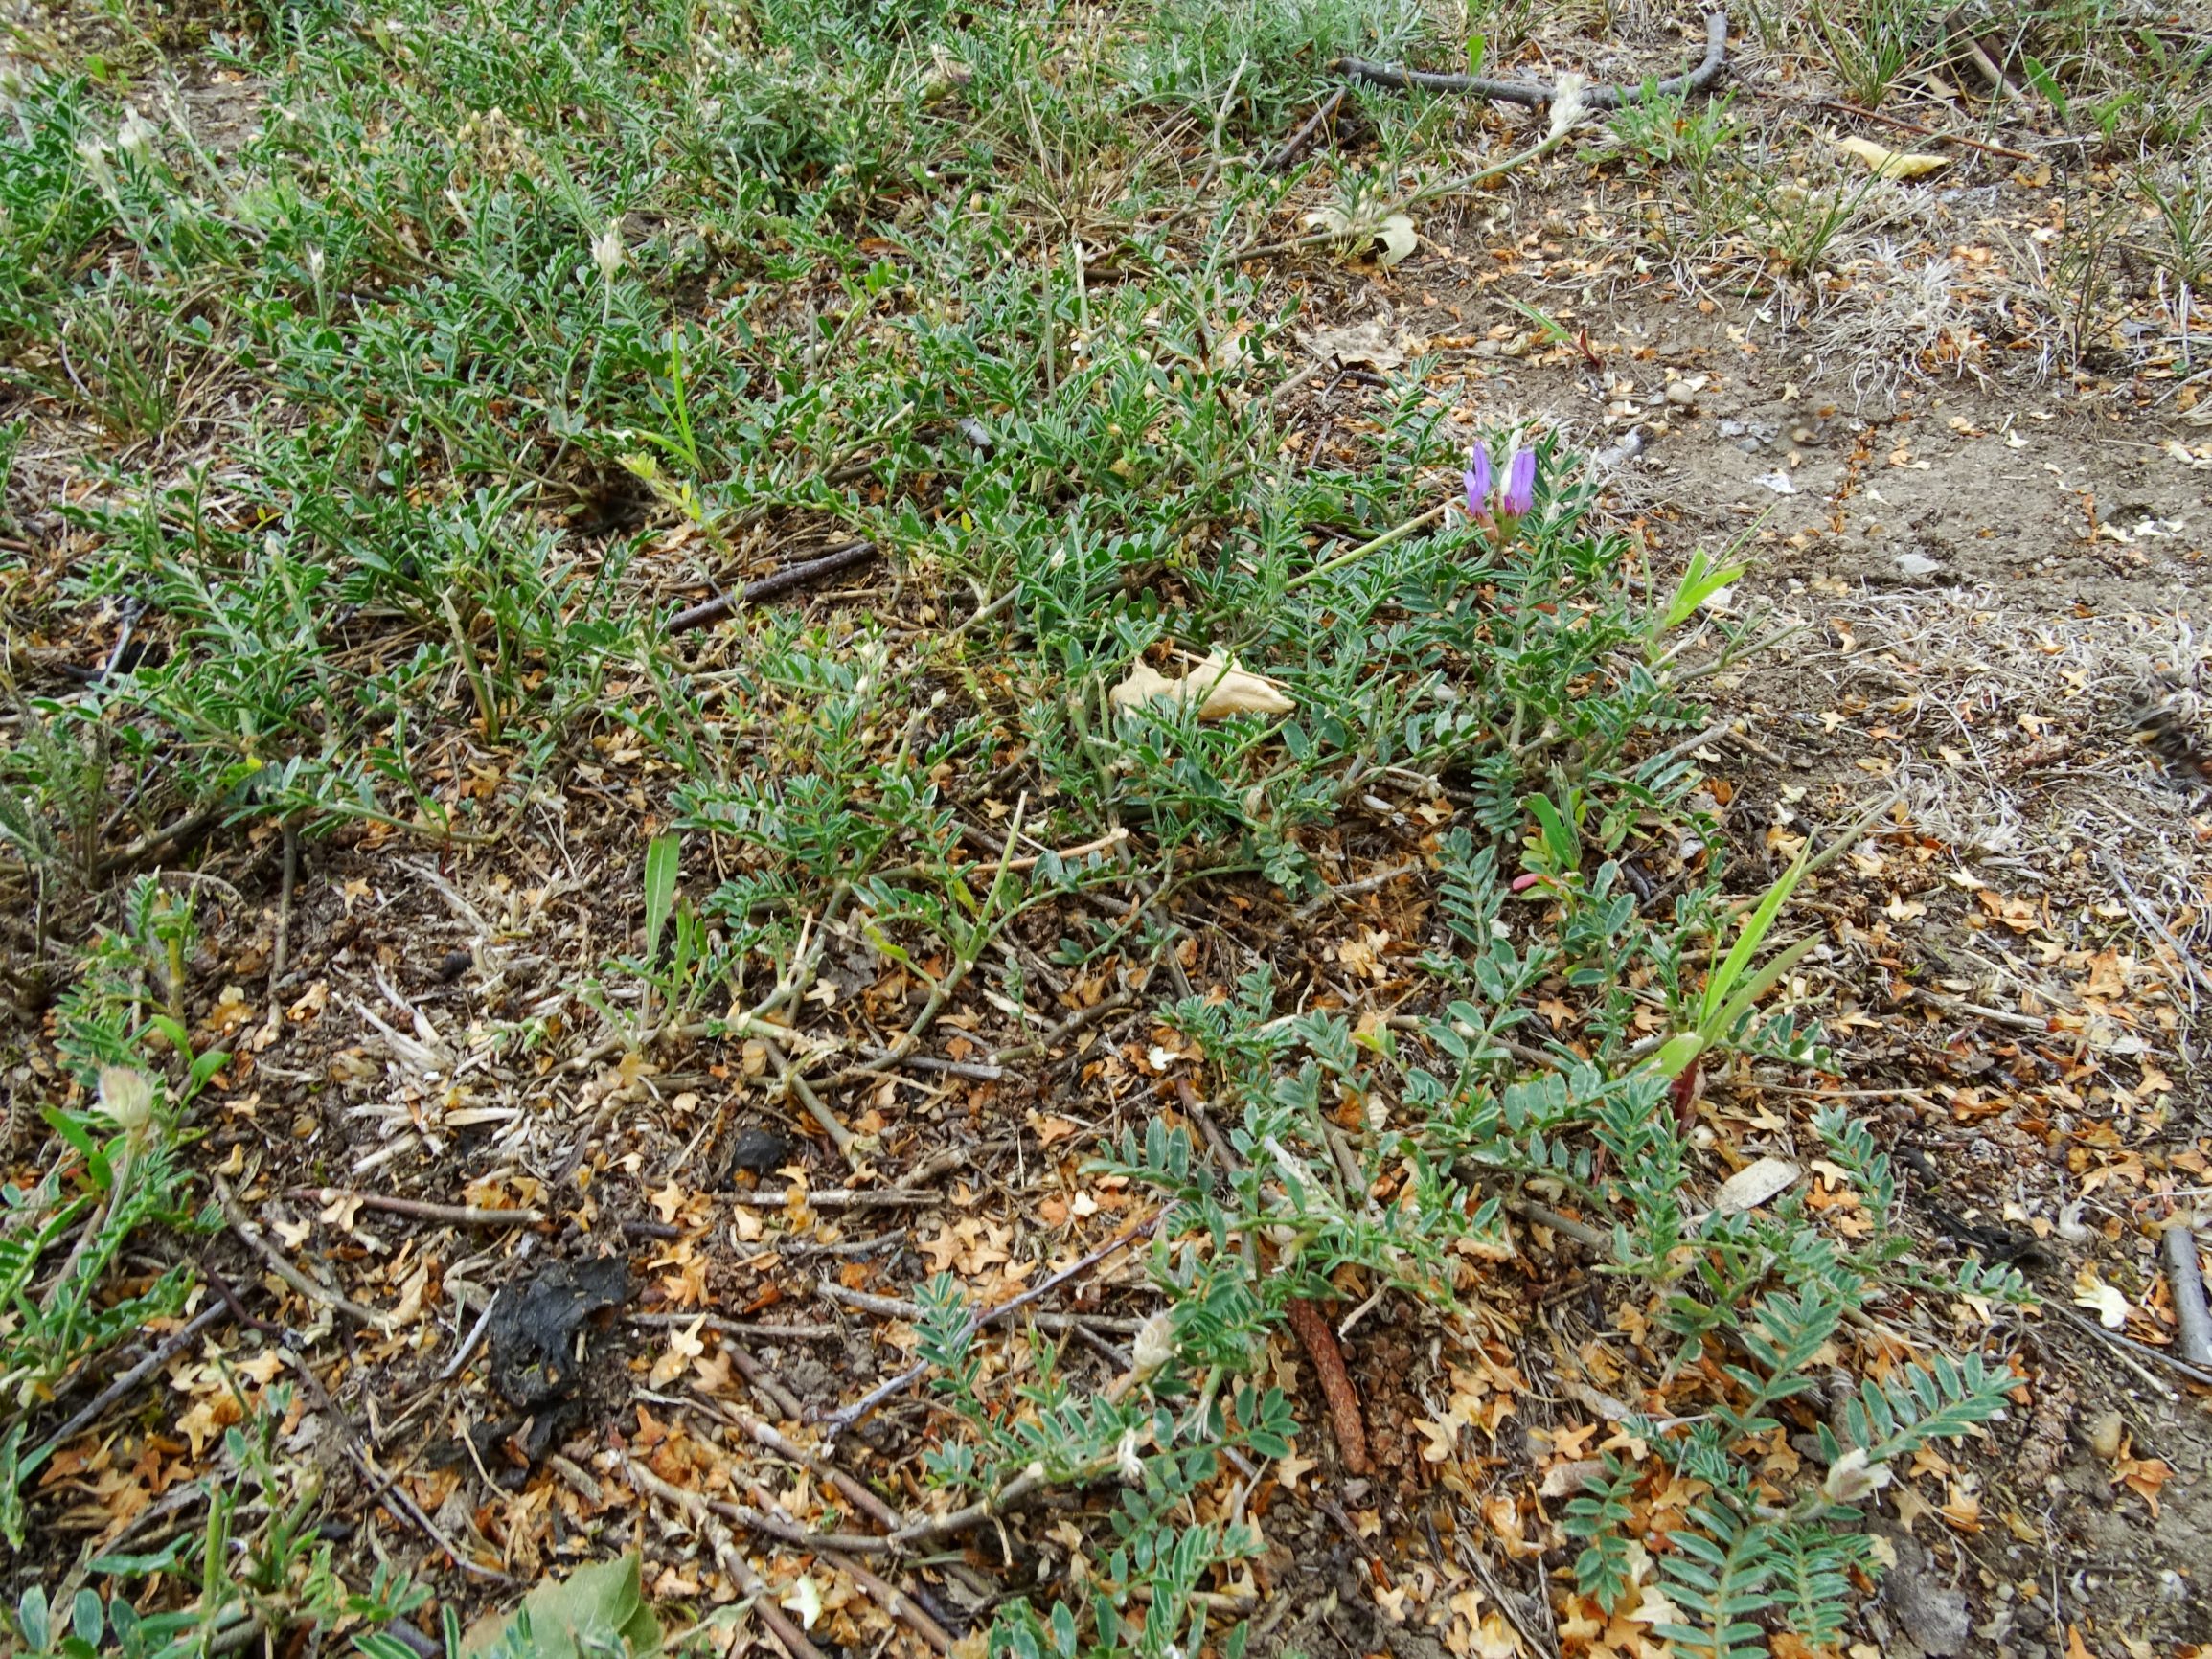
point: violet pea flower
(1519, 492)
(1477, 477)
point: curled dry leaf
(1220, 688)
(1397, 237)
(1886, 162)
(805, 1598)
(1333, 219)
(1390, 239)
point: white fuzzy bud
(135, 137)
(126, 1096)
(1154, 1346)
(606, 251)
(1851, 1479)
(1566, 102)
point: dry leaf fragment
(1891, 163)
(1563, 1479)
(805, 1598)
(2109, 1301)
(1754, 1184)
(1221, 688)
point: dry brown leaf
(1376, 342)
(1885, 163)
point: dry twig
(249, 1232)
(2192, 1318)
(770, 586)
(701, 1517)
(1535, 95)
(419, 1209)
(166, 1350)
(1295, 146)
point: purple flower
(1477, 476)
(1520, 493)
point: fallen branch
(2192, 1318)
(899, 1308)
(1030, 1480)
(737, 1327)
(385, 1487)
(1978, 56)
(171, 837)
(777, 582)
(167, 1350)
(851, 1486)
(1534, 95)
(280, 946)
(981, 1074)
(1038, 1048)
(2127, 1344)
(782, 1527)
(763, 1381)
(886, 1596)
(1564, 118)
(1960, 1008)
(833, 1198)
(1900, 125)
(1320, 1345)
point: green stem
(1388, 538)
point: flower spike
(1477, 477)
(1519, 492)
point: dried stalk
(1320, 1345)
(1704, 78)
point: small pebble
(2104, 1436)
(1681, 394)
